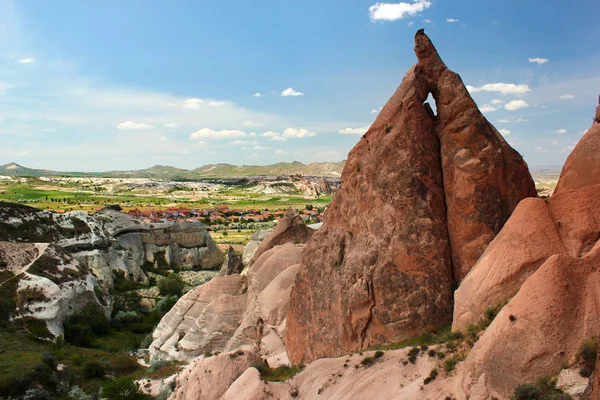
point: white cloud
(28, 60)
(504, 132)
(280, 152)
(251, 123)
(291, 92)
(130, 125)
(206, 133)
(452, 20)
(202, 143)
(257, 95)
(503, 88)
(505, 121)
(216, 103)
(261, 148)
(376, 110)
(541, 150)
(252, 134)
(428, 21)
(567, 97)
(497, 101)
(487, 108)
(555, 143)
(565, 149)
(21, 153)
(354, 131)
(560, 131)
(297, 133)
(171, 126)
(538, 61)
(243, 142)
(395, 11)
(515, 105)
(269, 134)
(184, 152)
(193, 103)
(163, 139)
(279, 138)
(411, 23)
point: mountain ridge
(219, 170)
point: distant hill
(329, 169)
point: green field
(70, 199)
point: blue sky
(113, 84)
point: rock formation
(290, 228)
(251, 247)
(381, 267)
(233, 312)
(484, 178)
(232, 264)
(567, 223)
(551, 282)
(110, 241)
(582, 167)
(46, 283)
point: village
(224, 217)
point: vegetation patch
(543, 389)
(280, 374)
(432, 375)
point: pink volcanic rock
(567, 223)
(379, 267)
(233, 312)
(484, 178)
(209, 378)
(529, 237)
(582, 167)
(289, 229)
(542, 326)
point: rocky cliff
(422, 195)
(45, 284)
(75, 256)
(238, 312)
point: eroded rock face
(208, 379)
(289, 229)
(553, 313)
(484, 178)
(110, 240)
(233, 312)
(251, 247)
(582, 167)
(567, 223)
(556, 308)
(49, 285)
(379, 267)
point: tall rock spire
(419, 192)
(484, 178)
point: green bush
(123, 389)
(81, 328)
(171, 285)
(589, 353)
(93, 369)
(527, 391)
(432, 375)
(76, 393)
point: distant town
(224, 217)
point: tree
(171, 285)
